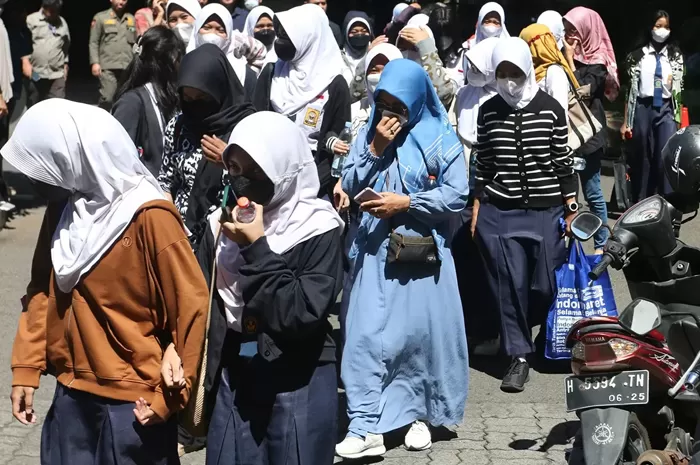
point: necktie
(658, 84)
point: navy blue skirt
(84, 429)
(274, 413)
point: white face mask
(511, 90)
(184, 30)
(660, 35)
(491, 30)
(373, 82)
(390, 114)
(214, 39)
(475, 78)
(250, 4)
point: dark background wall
(626, 20)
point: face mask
(199, 109)
(285, 50)
(391, 114)
(475, 78)
(266, 36)
(260, 192)
(214, 39)
(359, 42)
(373, 82)
(490, 30)
(184, 30)
(250, 4)
(660, 35)
(511, 90)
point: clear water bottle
(246, 211)
(339, 160)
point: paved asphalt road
(531, 428)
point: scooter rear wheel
(636, 443)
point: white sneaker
(6, 206)
(418, 437)
(354, 448)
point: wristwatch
(572, 207)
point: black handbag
(412, 249)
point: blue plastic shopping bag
(576, 299)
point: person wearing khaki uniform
(112, 37)
(51, 42)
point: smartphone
(366, 195)
(227, 205)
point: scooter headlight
(622, 347)
(579, 351)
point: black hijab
(208, 70)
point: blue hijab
(427, 145)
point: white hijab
(85, 150)
(316, 64)
(481, 87)
(419, 21)
(398, 9)
(481, 33)
(190, 6)
(294, 215)
(555, 23)
(387, 50)
(516, 51)
(6, 74)
(239, 65)
(252, 20)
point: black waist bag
(411, 249)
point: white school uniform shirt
(556, 84)
(648, 69)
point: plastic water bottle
(339, 160)
(246, 211)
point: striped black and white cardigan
(522, 157)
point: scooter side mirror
(585, 225)
(640, 317)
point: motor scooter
(622, 372)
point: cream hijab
(294, 215)
(316, 64)
(85, 150)
(516, 51)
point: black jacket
(595, 75)
(337, 113)
(135, 112)
(337, 33)
(288, 298)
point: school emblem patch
(311, 118)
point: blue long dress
(405, 356)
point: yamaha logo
(603, 434)
(595, 339)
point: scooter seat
(683, 333)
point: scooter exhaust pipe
(662, 457)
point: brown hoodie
(107, 337)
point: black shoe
(516, 376)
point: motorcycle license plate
(607, 390)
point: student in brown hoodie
(113, 281)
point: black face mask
(257, 191)
(199, 109)
(266, 36)
(359, 41)
(285, 49)
(50, 193)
